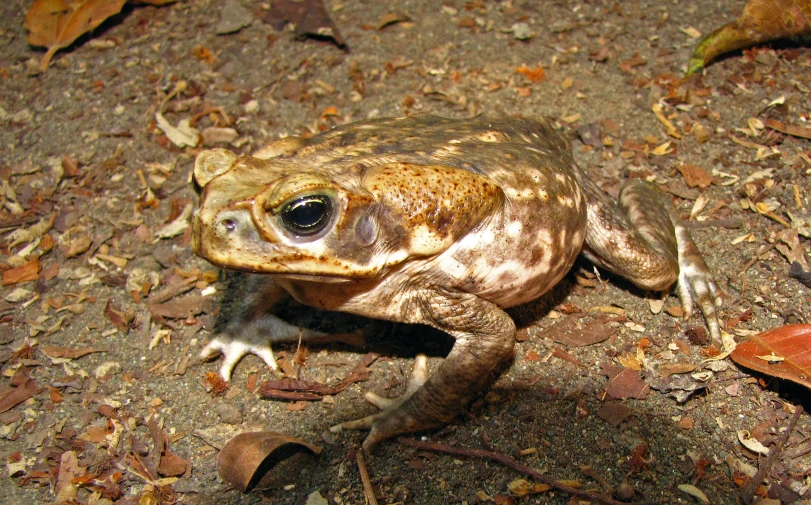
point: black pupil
(308, 214)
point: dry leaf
(19, 395)
(172, 465)
(788, 129)
(56, 24)
(121, 319)
(155, 2)
(631, 361)
(761, 21)
(177, 226)
(533, 74)
(215, 384)
(701, 134)
(302, 390)
(182, 135)
(182, 308)
(694, 492)
(560, 353)
(791, 342)
(669, 369)
(245, 454)
(614, 413)
(64, 354)
(570, 333)
(627, 384)
(75, 246)
(69, 470)
(695, 176)
(309, 17)
(391, 18)
(26, 272)
(686, 423)
(751, 443)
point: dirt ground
(80, 144)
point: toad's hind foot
(392, 420)
(696, 285)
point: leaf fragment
(694, 492)
(533, 74)
(751, 443)
(182, 135)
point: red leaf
(783, 352)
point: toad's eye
(307, 215)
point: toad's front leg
(252, 329)
(485, 337)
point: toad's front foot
(256, 338)
(393, 419)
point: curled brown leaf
(248, 456)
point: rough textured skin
(436, 221)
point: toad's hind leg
(642, 239)
(485, 336)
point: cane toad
(437, 221)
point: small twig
(169, 292)
(732, 222)
(515, 465)
(368, 490)
(748, 491)
(754, 260)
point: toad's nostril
(229, 224)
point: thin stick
(754, 260)
(507, 461)
(748, 491)
(368, 490)
(760, 253)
